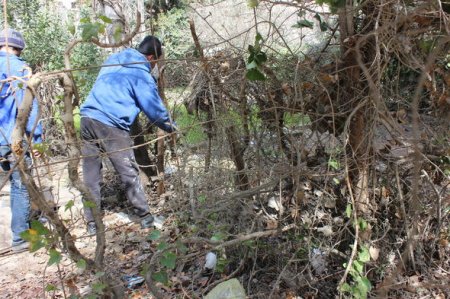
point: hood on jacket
(124, 89)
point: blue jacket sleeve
(147, 98)
(36, 135)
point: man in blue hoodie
(12, 93)
(119, 94)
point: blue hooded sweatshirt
(121, 92)
(11, 96)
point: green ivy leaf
(101, 28)
(258, 38)
(364, 255)
(81, 264)
(217, 237)
(251, 49)
(117, 33)
(358, 266)
(362, 224)
(50, 287)
(334, 4)
(89, 204)
(154, 235)
(181, 247)
(55, 257)
(69, 205)
(39, 227)
(346, 288)
(98, 287)
(255, 75)
(260, 58)
(249, 243)
(348, 210)
(85, 20)
(334, 164)
(105, 19)
(160, 276)
(304, 23)
(363, 285)
(323, 25)
(169, 260)
(71, 29)
(89, 31)
(221, 264)
(42, 148)
(201, 198)
(35, 246)
(144, 270)
(162, 246)
(252, 3)
(99, 274)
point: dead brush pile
(269, 195)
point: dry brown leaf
(414, 281)
(271, 224)
(374, 253)
(326, 230)
(307, 86)
(287, 90)
(160, 189)
(422, 20)
(300, 197)
(327, 78)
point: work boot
(147, 221)
(21, 247)
(91, 229)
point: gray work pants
(100, 139)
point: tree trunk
(352, 87)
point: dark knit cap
(13, 37)
(150, 46)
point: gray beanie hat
(14, 38)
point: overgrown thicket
(308, 171)
(352, 151)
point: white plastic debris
(338, 220)
(326, 230)
(211, 260)
(274, 204)
(158, 221)
(318, 193)
(230, 289)
(318, 261)
(169, 170)
(123, 217)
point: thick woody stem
(36, 195)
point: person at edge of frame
(12, 95)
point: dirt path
(26, 275)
